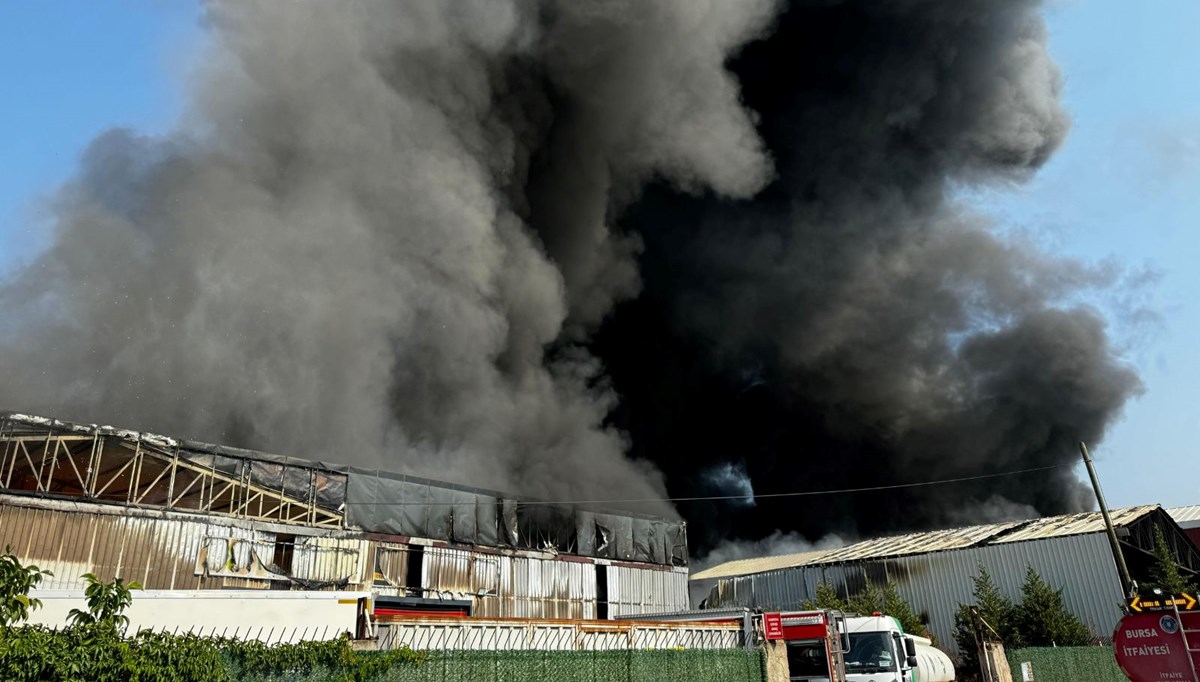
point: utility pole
(1118, 556)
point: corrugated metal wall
(534, 588)
(937, 583)
(166, 551)
(163, 553)
(633, 590)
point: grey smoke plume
(590, 249)
(334, 256)
(776, 543)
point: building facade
(183, 515)
(934, 570)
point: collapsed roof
(54, 458)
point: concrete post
(777, 663)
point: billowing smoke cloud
(853, 326)
(590, 249)
(337, 258)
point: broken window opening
(601, 592)
(416, 562)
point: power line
(718, 498)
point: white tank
(933, 665)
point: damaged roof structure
(933, 570)
(176, 514)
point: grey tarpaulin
(654, 541)
(439, 512)
(614, 537)
(643, 532)
(679, 548)
(487, 520)
(606, 547)
(585, 532)
(512, 530)
(625, 545)
(382, 502)
(463, 520)
(414, 517)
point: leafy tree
(1042, 618)
(826, 598)
(995, 609)
(106, 602)
(1164, 574)
(887, 600)
(16, 580)
(872, 598)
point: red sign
(1150, 647)
(804, 625)
(773, 626)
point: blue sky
(1122, 188)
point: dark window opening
(285, 547)
(601, 592)
(416, 561)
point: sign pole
(1118, 556)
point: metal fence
(563, 666)
(1067, 664)
(520, 635)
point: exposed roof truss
(110, 468)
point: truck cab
(878, 650)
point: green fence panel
(584, 666)
(1068, 664)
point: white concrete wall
(244, 614)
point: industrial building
(182, 515)
(1188, 519)
(934, 570)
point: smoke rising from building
(590, 249)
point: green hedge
(1068, 664)
(97, 653)
(585, 666)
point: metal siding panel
(936, 584)
(633, 590)
(162, 553)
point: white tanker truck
(880, 651)
(873, 649)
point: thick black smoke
(852, 326)
(601, 249)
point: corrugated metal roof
(916, 543)
(931, 541)
(1074, 524)
(1186, 517)
(758, 565)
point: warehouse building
(182, 515)
(1188, 519)
(934, 570)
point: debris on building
(182, 515)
